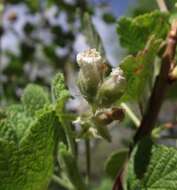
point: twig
(118, 182)
(162, 5)
(160, 87)
(130, 113)
(88, 158)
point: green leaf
(34, 98)
(17, 119)
(27, 163)
(36, 152)
(92, 36)
(115, 162)
(138, 70)
(8, 164)
(134, 32)
(59, 90)
(61, 95)
(7, 131)
(152, 167)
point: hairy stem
(160, 87)
(70, 138)
(156, 99)
(88, 159)
(61, 182)
(131, 114)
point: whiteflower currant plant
(39, 137)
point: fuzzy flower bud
(107, 116)
(112, 88)
(92, 69)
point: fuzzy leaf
(92, 36)
(134, 32)
(34, 98)
(58, 87)
(152, 167)
(8, 164)
(115, 162)
(27, 164)
(18, 119)
(138, 70)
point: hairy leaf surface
(152, 167)
(134, 32)
(138, 70)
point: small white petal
(88, 57)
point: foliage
(139, 70)
(152, 166)
(115, 162)
(134, 33)
(39, 136)
(27, 144)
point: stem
(130, 113)
(157, 96)
(162, 5)
(169, 137)
(61, 182)
(88, 159)
(118, 182)
(69, 135)
(160, 87)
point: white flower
(112, 88)
(90, 56)
(117, 74)
(92, 71)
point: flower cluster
(95, 86)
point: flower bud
(92, 70)
(107, 116)
(112, 88)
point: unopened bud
(112, 88)
(107, 116)
(92, 69)
(90, 56)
